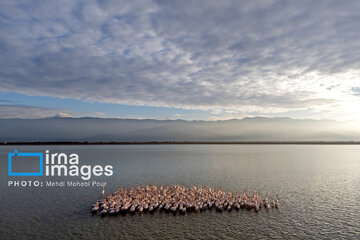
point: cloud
(63, 115)
(20, 111)
(356, 91)
(240, 56)
(14, 110)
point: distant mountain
(120, 130)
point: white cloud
(232, 58)
(13, 110)
(30, 112)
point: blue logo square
(16, 153)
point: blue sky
(207, 60)
(44, 106)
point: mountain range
(144, 130)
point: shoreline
(189, 143)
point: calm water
(318, 186)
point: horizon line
(179, 119)
(357, 142)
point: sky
(193, 60)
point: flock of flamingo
(177, 199)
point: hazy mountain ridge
(112, 129)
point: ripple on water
(318, 186)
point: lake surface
(318, 187)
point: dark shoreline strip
(187, 143)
